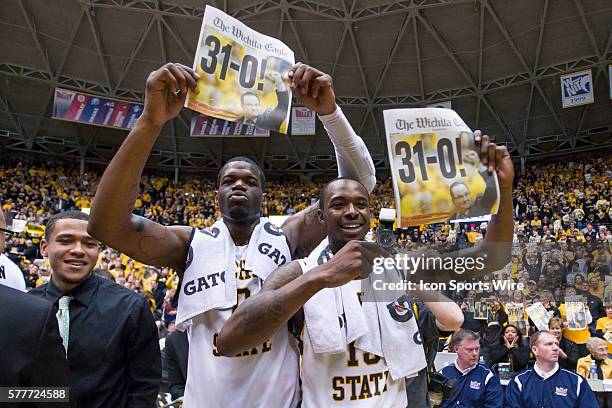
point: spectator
(510, 349)
(474, 384)
(108, 333)
(568, 350)
(546, 385)
(598, 350)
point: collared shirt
(467, 370)
(543, 374)
(113, 350)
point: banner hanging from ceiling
(74, 106)
(577, 88)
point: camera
(385, 236)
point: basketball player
(224, 264)
(353, 377)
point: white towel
(385, 329)
(209, 281)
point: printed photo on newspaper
(243, 74)
(436, 170)
(538, 315)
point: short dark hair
(66, 215)
(262, 176)
(461, 335)
(246, 94)
(324, 189)
(519, 334)
(533, 340)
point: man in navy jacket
(474, 385)
(546, 385)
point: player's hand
(313, 88)
(353, 261)
(496, 158)
(166, 91)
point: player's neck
(241, 231)
(546, 366)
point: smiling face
(345, 211)
(251, 106)
(72, 252)
(240, 193)
(462, 199)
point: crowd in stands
(562, 246)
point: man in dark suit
(108, 332)
(32, 353)
(465, 206)
(268, 119)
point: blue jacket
(478, 388)
(563, 389)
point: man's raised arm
(112, 221)
(314, 89)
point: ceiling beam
(99, 47)
(135, 51)
(31, 22)
(451, 54)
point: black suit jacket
(32, 352)
(177, 352)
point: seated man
(547, 385)
(469, 384)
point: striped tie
(63, 320)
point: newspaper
(436, 170)
(480, 310)
(243, 74)
(539, 315)
(576, 315)
(516, 316)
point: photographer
(468, 383)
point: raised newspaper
(243, 74)
(538, 315)
(436, 169)
(575, 312)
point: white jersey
(350, 379)
(265, 376)
(10, 274)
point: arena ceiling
(498, 61)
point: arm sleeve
(573, 354)
(520, 357)
(513, 395)
(176, 377)
(493, 396)
(144, 358)
(498, 353)
(352, 155)
(276, 117)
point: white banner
(243, 74)
(302, 121)
(577, 88)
